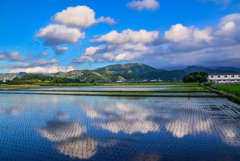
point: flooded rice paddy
(116, 93)
(103, 128)
(127, 88)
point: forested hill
(40, 78)
(134, 67)
(132, 72)
(126, 72)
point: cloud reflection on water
(61, 131)
(73, 132)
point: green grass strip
(230, 96)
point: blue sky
(58, 35)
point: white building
(119, 81)
(154, 80)
(224, 77)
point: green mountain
(108, 76)
(72, 74)
(164, 75)
(118, 72)
(131, 72)
(40, 78)
(134, 67)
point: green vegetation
(234, 89)
(40, 79)
(123, 72)
(230, 96)
(72, 74)
(155, 83)
(130, 72)
(70, 84)
(108, 76)
(195, 77)
(134, 67)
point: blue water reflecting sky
(49, 127)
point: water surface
(54, 127)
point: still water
(206, 94)
(126, 88)
(55, 127)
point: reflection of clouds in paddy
(101, 127)
(143, 157)
(61, 131)
(181, 117)
(81, 148)
(62, 116)
(10, 111)
(181, 128)
(126, 117)
(130, 128)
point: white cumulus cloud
(227, 30)
(58, 34)
(83, 59)
(108, 20)
(204, 34)
(80, 16)
(60, 49)
(45, 69)
(91, 50)
(144, 4)
(178, 33)
(14, 56)
(229, 18)
(128, 36)
(136, 47)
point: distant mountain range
(134, 72)
(128, 72)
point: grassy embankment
(69, 84)
(232, 92)
(98, 84)
(113, 84)
(18, 86)
(154, 83)
(233, 89)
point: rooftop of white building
(224, 73)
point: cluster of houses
(224, 77)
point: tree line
(40, 78)
(195, 77)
